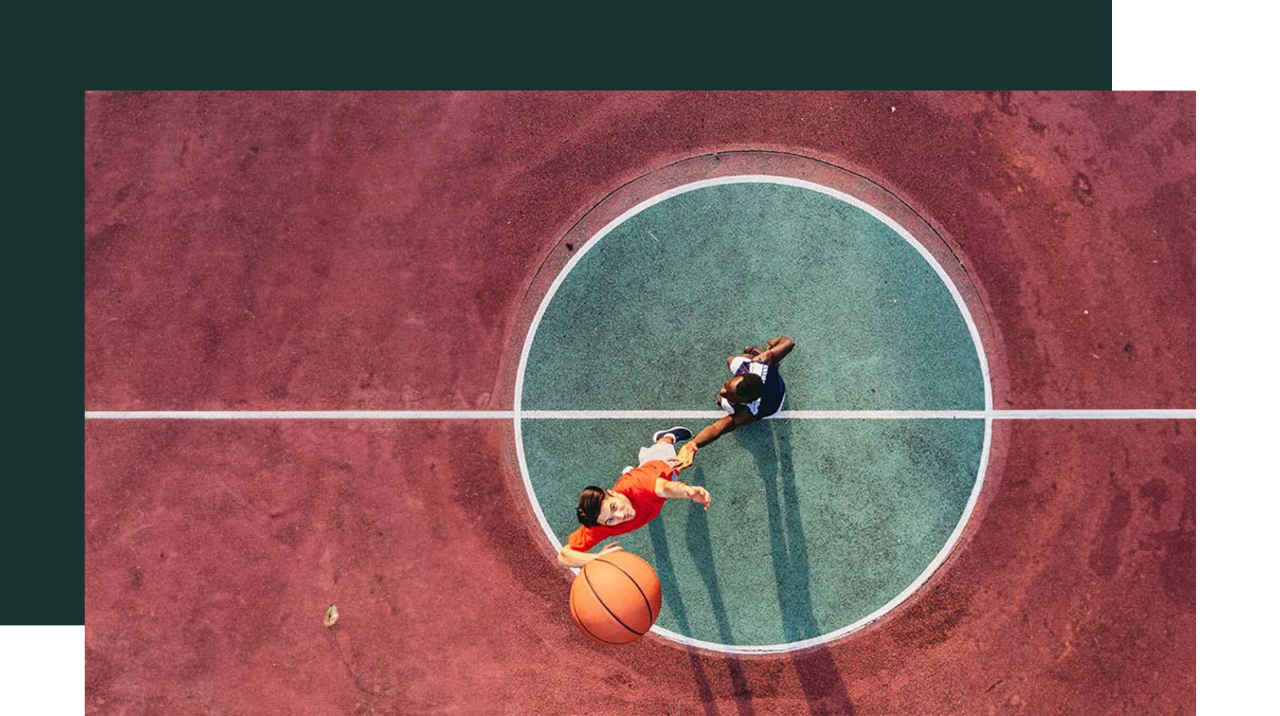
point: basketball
(615, 598)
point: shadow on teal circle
(815, 524)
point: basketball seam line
(573, 611)
(606, 606)
(647, 605)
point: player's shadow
(698, 539)
(769, 443)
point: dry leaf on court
(331, 615)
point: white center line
(1047, 414)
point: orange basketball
(615, 598)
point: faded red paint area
(325, 251)
(374, 251)
(213, 549)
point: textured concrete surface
(213, 550)
(375, 251)
(647, 316)
(814, 524)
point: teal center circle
(816, 525)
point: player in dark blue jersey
(755, 391)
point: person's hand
(609, 549)
(685, 457)
(700, 496)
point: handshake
(685, 457)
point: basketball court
(366, 350)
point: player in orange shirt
(636, 498)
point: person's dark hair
(749, 388)
(589, 503)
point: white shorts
(657, 451)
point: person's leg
(772, 410)
(664, 449)
(775, 395)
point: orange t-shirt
(639, 486)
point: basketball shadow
(699, 542)
(769, 443)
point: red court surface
(332, 251)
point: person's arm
(673, 490)
(727, 424)
(685, 457)
(572, 558)
(776, 350)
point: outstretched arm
(671, 489)
(570, 557)
(724, 425)
(776, 350)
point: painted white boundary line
(298, 414)
(1067, 414)
(1123, 414)
(517, 415)
(906, 236)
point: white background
(1218, 50)
(41, 669)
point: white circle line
(885, 219)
